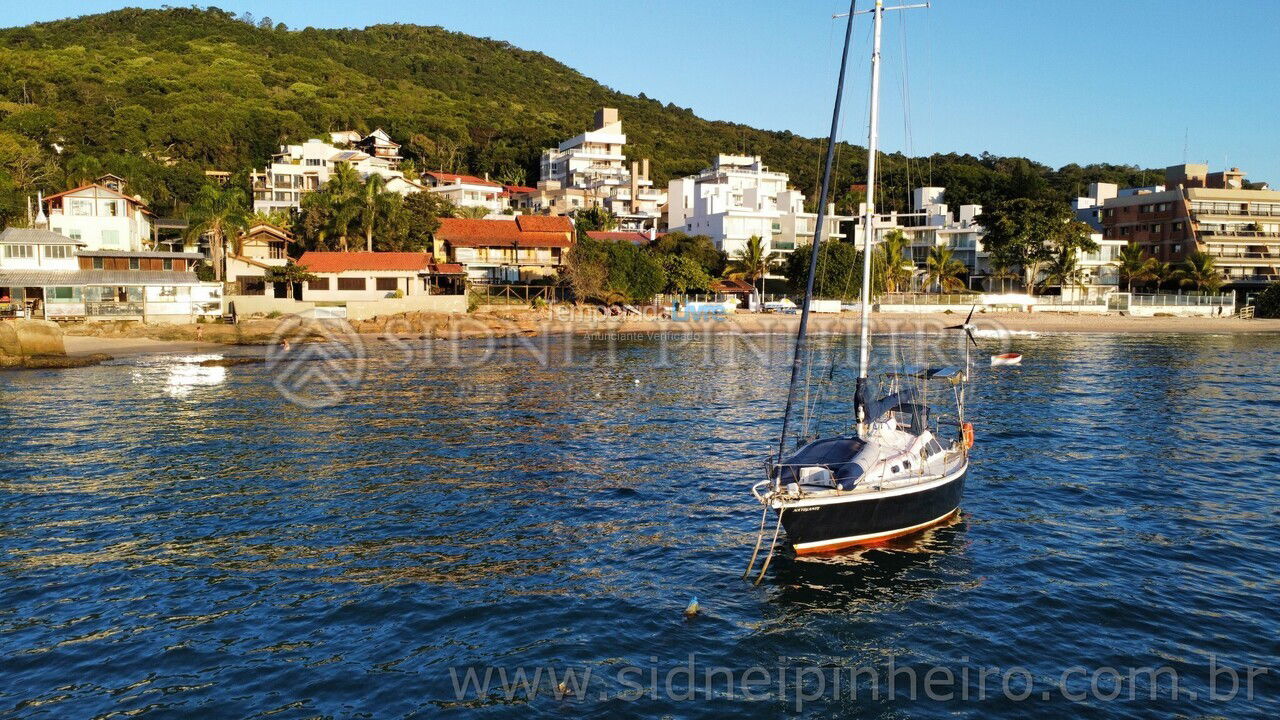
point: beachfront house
(261, 248)
(342, 277)
(522, 249)
(101, 215)
(50, 276)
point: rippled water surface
(179, 541)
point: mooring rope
(772, 546)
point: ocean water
(184, 541)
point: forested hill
(158, 96)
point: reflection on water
(178, 540)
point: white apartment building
(101, 215)
(737, 197)
(595, 165)
(298, 169)
(931, 224)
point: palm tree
(218, 212)
(345, 193)
(475, 212)
(1000, 271)
(376, 205)
(1135, 266)
(752, 263)
(1064, 269)
(1161, 273)
(892, 262)
(1199, 270)
(941, 268)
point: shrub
(273, 314)
(1267, 304)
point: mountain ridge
(159, 95)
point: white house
(468, 190)
(303, 168)
(737, 197)
(46, 275)
(101, 215)
(362, 276)
(594, 166)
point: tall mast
(801, 333)
(869, 219)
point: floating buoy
(1006, 359)
(693, 608)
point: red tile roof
(335, 262)
(445, 178)
(518, 189)
(639, 238)
(447, 269)
(544, 223)
(465, 232)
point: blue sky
(1146, 82)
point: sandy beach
(138, 340)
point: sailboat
(901, 469)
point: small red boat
(1006, 359)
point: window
(113, 208)
(55, 251)
(351, 283)
(62, 294)
(110, 237)
(81, 207)
(97, 263)
(17, 251)
(276, 250)
(168, 292)
(385, 283)
(74, 235)
(168, 264)
(314, 162)
(320, 283)
(135, 264)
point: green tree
(289, 274)
(1063, 269)
(593, 218)
(1134, 266)
(699, 248)
(891, 262)
(377, 208)
(613, 271)
(684, 274)
(752, 262)
(473, 212)
(1028, 233)
(943, 270)
(1267, 304)
(1200, 271)
(220, 213)
(422, 212)
(839, 271)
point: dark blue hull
(869, 519)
